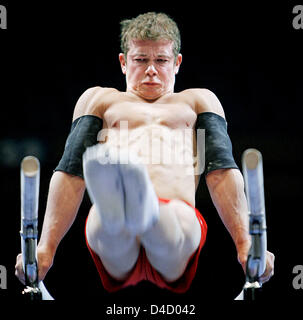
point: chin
(151, 94)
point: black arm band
(218, 147)
(83, 134)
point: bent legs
(171, 242)
(126, 214)
(118, 252)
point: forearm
(226, 188)
(64, 198)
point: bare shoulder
(205, 100)
(93, 101)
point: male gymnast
(143, 224)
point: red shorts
(143, 270)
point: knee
(184, 236)
(177, 234)
(111, 247)
(112, 225)
(189, 225)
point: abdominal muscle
(167, 154)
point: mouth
(151, 84)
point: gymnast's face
(150, 68)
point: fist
(45, 262)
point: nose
(151, 70)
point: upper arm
(207, 101)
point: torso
(160, 133)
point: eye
(161, 61)
(140, 60)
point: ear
(178, 63)
(122, 60)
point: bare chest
(174, 116)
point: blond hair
(150, 26)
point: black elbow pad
(83, 134)
(218, 147)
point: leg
(118, 252)
(106, 234)
(125, 206)
(121, 190)
(170, 243)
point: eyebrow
(163, 56)
(145, 55)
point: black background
(249, 55)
